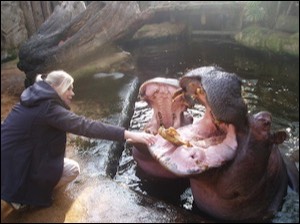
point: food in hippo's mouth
(172, 136)
(195, 148)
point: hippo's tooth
(199, 91)
(177, 97)
(177, 93)
(190, 100)
(216, 121)
(196, 98)
(186, 104)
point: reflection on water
(269, 83)
(115, 75)
(103, 91)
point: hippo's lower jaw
(208, 146)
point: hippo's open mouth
(194, 148)
(226, 132)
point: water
(269, 83)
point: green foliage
(254, 12)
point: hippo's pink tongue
(202, 153)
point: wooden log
(46, 8)
(64, 40)
(37, 13)
(28, 15)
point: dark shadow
(164, 189)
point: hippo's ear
(279, 137)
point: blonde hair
(59, 79)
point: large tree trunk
(37, 13)
(64, 39)
(46, 8)
(27, 11)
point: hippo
(167, 112)
(158, 93)
(231, 158)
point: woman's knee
(71, 168)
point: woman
(33, 141)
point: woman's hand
(139, 137)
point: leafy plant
(254, 12)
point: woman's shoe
(19, 207)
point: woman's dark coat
(33, 142)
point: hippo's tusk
(186, 104)
(177, 94)
(199, 91)
(194, 97)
